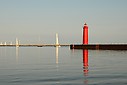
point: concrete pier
(34, 45)
(99, 46)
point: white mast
(17, 43)
(57, 43)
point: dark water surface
(61, 66)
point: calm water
(61, 66)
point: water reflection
(85, 65)
(57, 61)
(17, 54)
(85, 62)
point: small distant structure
(1, 43)
(10, 43)
(5, 43)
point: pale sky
(37, 21)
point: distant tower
(85, 34)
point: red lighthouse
(85, 34)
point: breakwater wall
(34, 45)
(99, 46)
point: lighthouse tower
(85, 34)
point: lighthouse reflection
(85, 62)
(85, 66)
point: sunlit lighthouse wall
(85, 34)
